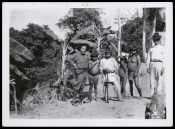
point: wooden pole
(154, 28)
(144, 35)
(119, 34)
(14, 97)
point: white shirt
(156, 52)
(110, 64)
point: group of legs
(107, 80)
(132, 81)
(119, 87)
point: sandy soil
(130, 108)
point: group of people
(89, 66)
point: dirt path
(129, 108)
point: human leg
(136, 81)
(131, 87)
(124, 86)
(81, 80)
(160, 85)
(117, 90)
(95, 87)
(91, 83)
(152, 79)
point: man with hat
(80, 61)
(109, 70)
(134, 63)
(93, 73)
(155, 65)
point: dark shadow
(113, 98)
(102, 98)
(128, 97)
(136, 97)
(147, 97)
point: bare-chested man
(123, 74)
(134, 64)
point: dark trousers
(80, 83)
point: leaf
(20, 49)
(80, 41)
(16, 56)
(16, 70)
(87, 30)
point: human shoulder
(113, 59)
(103, 59)
(76, 54)
(138, 56)
(155, 47)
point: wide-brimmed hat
(156, 36)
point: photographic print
(87, 61)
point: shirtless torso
(133, 63)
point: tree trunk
(98, 43)
(14, 97)
(115, 48)
(154, 28)
(119, 35)
(65, 46)
(144, 36)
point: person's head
(133, 51)
(83, 49)
(124, 58)
(108, 54)
(156, 38)
(94, 55)
(94, 58)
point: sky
(50, 15)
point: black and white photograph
(87, 64)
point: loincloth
(131, 75)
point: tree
(78, 18)
(38, 42)
(132, 35)
(155, 22)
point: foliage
(78, 18)
(132, 35)
(46, 48)
(154, 22)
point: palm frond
(16, 56)
(20, 49)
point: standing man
(80, 62)
(93, 73)
(109, 65)
(123, 70)
(134, 64)
(155, 65)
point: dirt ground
(130, 108)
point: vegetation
(35, 54)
